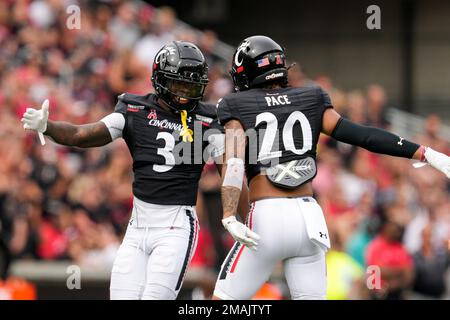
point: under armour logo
(400, 143)
(323, 235)
(189, 119)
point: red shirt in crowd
(383, 253)
(53, 244)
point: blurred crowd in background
(59, 203)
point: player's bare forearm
(231, 174)
(83, 136)
(230, 200)
(243, 204)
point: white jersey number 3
(288, 134)
(166, 152)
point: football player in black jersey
(170, 136)
(272, 131)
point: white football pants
(281, 224)
(157, 248)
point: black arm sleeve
(373, 139)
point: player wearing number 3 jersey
(169, 137)
(271, 134)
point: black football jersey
(281, 124)
(166, 168)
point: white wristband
(234, 175)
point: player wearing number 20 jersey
(271, 133)
(282, 126)
(287, 123)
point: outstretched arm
(84, 136)
(381, 141)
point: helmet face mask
(186, 89)
(257, 61)
(180, 75)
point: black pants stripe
(227, 264)
(188, 250)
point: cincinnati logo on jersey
(164, 123)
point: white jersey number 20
(288, 135)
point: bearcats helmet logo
(244, 45)
(162, 56)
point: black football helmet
(180, 75)
(258, 60)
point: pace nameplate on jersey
(292, 174)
